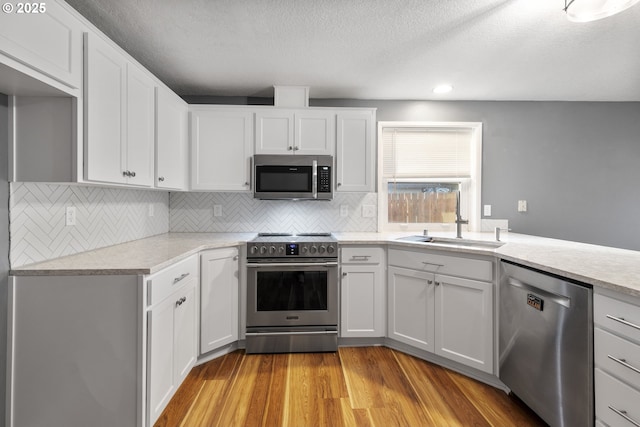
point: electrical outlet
(151, 209)
(344, 210)
(368, 211)
(487, 210)
(217, 210)
(70, 215)
(522, 205)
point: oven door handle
(293, 264)
(253, 334)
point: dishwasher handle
(558, 299)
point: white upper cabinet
(119, 117)
(305, 131)
(314, 132)
(221, 148)
(355, 156)
(140, 119)
(48, 40)
(171, 140)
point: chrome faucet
(459, 220)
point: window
(424, 169)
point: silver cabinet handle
(339, 184)
(429, 282)
(181, 301)
(133, 174)
(437, 283)
(624, 322)
(182, 276)
(290, 148)
(161, 178)
(624, 363)
(432, 263)
(126, 173)
(296, 148)
(235, 258)
(624, 415)
(360, 257)
(344, 274)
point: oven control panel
(292, 249)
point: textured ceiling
(378, 49)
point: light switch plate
(487, 210)
(151, 210)
(344, 210)
(522, 205)
(217, 210)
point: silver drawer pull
(182, 276)
(432, 263)
(360, 257)
(624, 322)
(624, 415)
(624, 363)
(180, 301)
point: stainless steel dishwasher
(546, 344)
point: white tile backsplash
(193, 212)
(104, 217)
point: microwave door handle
(315, 179)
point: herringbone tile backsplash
(104, 217)
(193, 212)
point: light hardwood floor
(357, 386)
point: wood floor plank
(497, 407)
(354, 387)
(362, 376)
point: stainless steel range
(292, 293)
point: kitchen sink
(452, 242)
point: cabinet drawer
(617, 356)
(617, 316)
(442, 264)
(361, 255)
(161, 284)
(616, 402)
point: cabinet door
(140, 110)
(49, 42)
(104, 99)
(274, 132)
(161, 377)
(171, 140)
(185, 337)
(355, 155)
(363, 308)
(221, 152)
(314, 132)
(464, 321)
(411, 307)
(218, 298)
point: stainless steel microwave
(293, 177)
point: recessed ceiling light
(591, 10)
(442, 89)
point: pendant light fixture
(592, 10)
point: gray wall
(576, 163)
(4, 246)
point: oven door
(292, 294)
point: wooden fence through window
(419, 207)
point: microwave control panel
(324, 179)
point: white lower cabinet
(218, 298)
(444, 314)
(617, 359)
(411, 302)
(363, 309)
(172, 332)
(464, 321)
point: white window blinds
(426, 152)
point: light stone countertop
(144, 256)
(600, 266)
